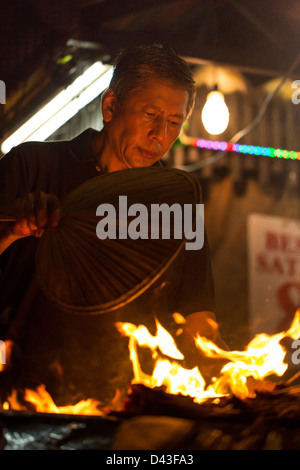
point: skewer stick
(7, 218)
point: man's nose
(158, 130)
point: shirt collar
(81, 146)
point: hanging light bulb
(215, 114)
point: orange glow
(43, 403)
(263, 356)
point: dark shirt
(79, 356)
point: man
(151, 94)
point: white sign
(274, 272)
(2, 92)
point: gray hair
(134, 66)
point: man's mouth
(147, 154)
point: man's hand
(32, 215)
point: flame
(166, 372)
(263, 357)
(43, 403)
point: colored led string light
(245, 149)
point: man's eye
(150, 114)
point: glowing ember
(263, 356)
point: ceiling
(45, 44)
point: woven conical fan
(84, 274)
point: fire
(263, 357)
(43, 403)
(166, 372)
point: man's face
(142, 128)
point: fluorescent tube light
(62, 107)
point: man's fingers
(30, 213)
(40, 209)
(35, 212)
(46, 210)
(36, 215)
(24, 224)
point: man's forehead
(157, 91)
(157, 82)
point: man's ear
(109, 101)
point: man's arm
(6, 237)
